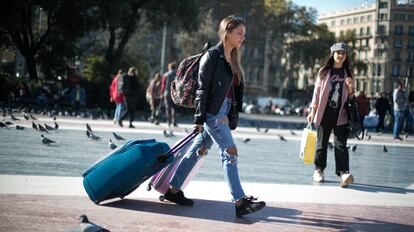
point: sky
(325, 6)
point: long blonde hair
(227, 25)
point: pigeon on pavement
(246, 140)
(2, 124)
(353, 148)
(88, 127)
(34, 126)
(87, 226)
(384, 149)
(14, 118)
(117, 137)
(49, 127)
(282, 138)
(112, 145)
(32, 117)
(19, 127)
(56, 126)
(8, 123)
(45, 140)
(292, 132)
(25, 116)
(41, 128)
(94, 137)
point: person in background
(334, 86)
(363, 106)
(116, 95)
(219, 94)
(153, 95)
(78, 98)
(129, 89)
(166, 94)
(400, 107)
(381, 106)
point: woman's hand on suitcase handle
(198, 128)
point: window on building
(381, 29)
(341, 33)
(355, 19)
(398, 29)
(410, 17)
(395, 70)
(398, 43)
(397, 56)
(411, 30)
(369, 18)
(348, 21)
(361, 31)
(342, 22)
(333, 23)
(411, 57)
(383, 5)
(379, 70)
(383, 17)
(399, 17)
(368, 30)
(362, 19)
(409, 71)
(410, 43)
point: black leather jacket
(214, 79)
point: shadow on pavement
(224, 212)
(378, 188)
(203, 209)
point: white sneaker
(346, 179)
(318, 176)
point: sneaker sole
(246, 213)
(347, 181)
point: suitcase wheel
(96, 202)
(161, 198)
(122, 197)
(149, 187)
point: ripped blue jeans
(216, 129)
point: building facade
(384, 34)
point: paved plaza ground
(41, 186)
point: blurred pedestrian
(400, 107)
(116, 95)
(334, 85)
(77, 98)
(129, 89)
(166, 94)
(153, 95)
(381, 107)
(219, 97)
(363, 106)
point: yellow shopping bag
(308, 144)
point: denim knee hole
(231, 155)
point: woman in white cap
(334, 85)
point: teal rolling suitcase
(123, 170)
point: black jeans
(380, 125)
(130, 107)
(328, 123)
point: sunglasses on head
(238, 18)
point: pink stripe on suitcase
(161, 181)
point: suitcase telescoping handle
(178, 146)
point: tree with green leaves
(121, 19)
(30, 25)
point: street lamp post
(164, 41)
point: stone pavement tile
(59, 213)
